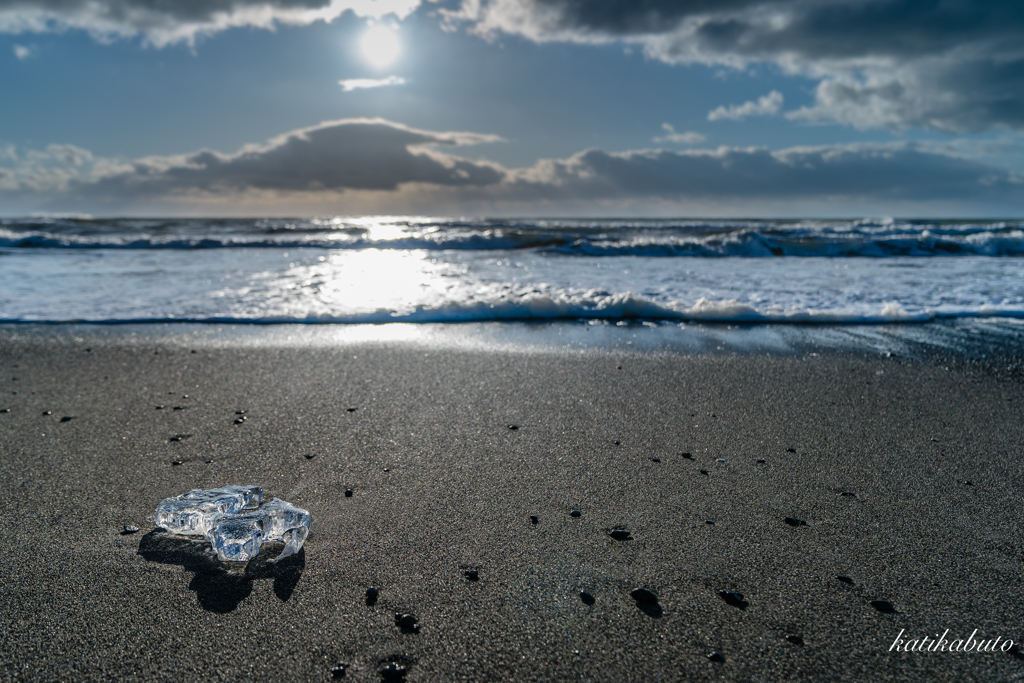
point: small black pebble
(5, 410)
(392, 672)
(709, 521)
(791, 450)
(178, 408)
(534, 519)
(793, 521)
(175, 463)
(159, 407)
(386, 469)
(88, 350)
(575, 513)
(716, 657)
(348, 493)
(968, 483)
(208, 461)
(655, 459)
(192, 351)
(67, 418)
(309, 456)
(934, 440)
(848, 494)
(240, 420)
(644, 596)
(845, 579)
(47, 412)
(617, 443)
(372, 593)
(130, 529)
(513, 427)
(407, 621)
(339, 670)
(472, 575)
(733, 598)
(796, 640)
(760, 461)
(620, 535)
(350, 410)
(587, 597)
(618, 367)
(883, 605)
(687, 456)
(703, 471)
(239, 412)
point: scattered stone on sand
(620, 535)
(472, 574)
(848, 494)
(386, 469)
(175, 463)
(406, 621)
(178, 408)
(687, 456)
(239, 412)
(760, 461)
(179, 437)
(309, 456)
(796, 640)
(240, 420)
(130, 529)
(534, 519)
(575, 513)
(513, 427)
(733, 598)
(655, 459)
(372, 593)
(339, 669)
(883, 606)
(703, 471)
(47, 412)
(348, 493)
(351, 410)
(716, 657)
(709, 521)
(208, 461)
(392, 672)
(618, 443)
(159, 408)
(67, 418)
(845, 579)
(644, 596)
(587, 597)
(793, 521)
(791, 450)
(968, 483)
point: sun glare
(380, 46)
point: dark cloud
(881, 173)
(951, 65)
(353, 154)
(164, 22)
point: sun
(380, 46)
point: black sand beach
(441, 485)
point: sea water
(428, 269)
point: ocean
(429, 270)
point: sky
(736, 108)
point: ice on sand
(233, 522)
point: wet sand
(442, 485)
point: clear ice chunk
(192, 512)
(237, 538)
(232, 521)
(287, 523)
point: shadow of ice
(218, 587)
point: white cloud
(764, 106)
(687, 138)
(24, 51)
(350, 84)
(163, 23)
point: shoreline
(82, 600)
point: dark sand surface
(441, 484)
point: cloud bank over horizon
(376, 165)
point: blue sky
(512, 107)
